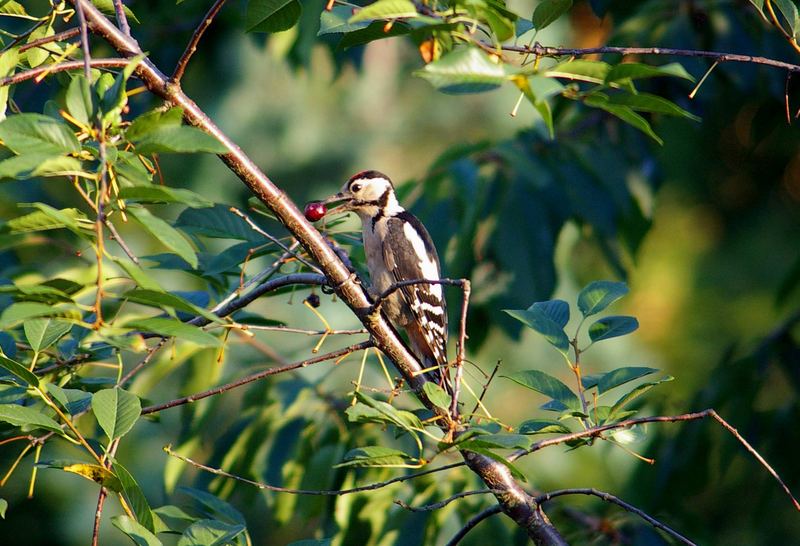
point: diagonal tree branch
(515, 502)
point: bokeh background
(712, 256)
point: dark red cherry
(315, 210)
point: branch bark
(515, 502)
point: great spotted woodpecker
(398, 248)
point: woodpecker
(399, 248)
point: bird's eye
(355, 187)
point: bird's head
(365, 193)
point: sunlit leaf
(542, 426)
(635, 71)
(374, 456)
(23, 416)
(581, 70)
(626, 399)
(538, 320)
(645, 102)
(19, 371)
(175, 328)
(465, 70)
(43, 332)
(164, 194)
(385, 9)
(137, 532)
(437, 395)
(37, 133)
(598, 295)
(135, 496)
(116, 411)
(272, 15)
(168, 235)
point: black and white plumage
(399, 248)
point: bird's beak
(344, 198)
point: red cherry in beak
(315, 210)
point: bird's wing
(408, 239)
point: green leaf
(501, 441)
(164, 194)
(19, 371)
(337, 21)
(8, 64)
(645, 102)
(536, 319)
(80, 100)
(272, 15)
(68, 218)
(175, 328)
(542, 426)
(22, 167)
(494, 456)
(116, 411)
(219, 508)
(465, 70)
(499, 21)
(11, 7)
(608, 327)
(210, 532)
(168, 235)
(537, 89)
(35, 56)
(3, 508)
(135, 496)
(555, 310)
(788, 9)
(22, 416)
(636, 71)
(624, 113)
(598, 295)
(548, 385)
(153, 121)
(385, 9)
(36, 133)
(43, 332)
(138, 274)
(437, 395)
(137, 532)
(374, 456)
(41, 221)
(548, 11)
(18, 312)
(107, 7)
(620, 376)
(581, 70)
(180, 139)
(157, 298)
(73, 400)
(626, 399)
(388, 413)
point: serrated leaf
(168, 235)
(536, 319)
(37, 133)
(272, 15)
(135, 496)
(548, 385)
(175, 328)
(639, 390)
(116, 411)
(43, 332)
(41, 221)
(385, 9)
(137, 532)
(403, 419)
(549, 11)
(164, 194)
(30, 165)
(35, 56)
(465, 70)
(610, 327)
(23, 416)
(374, 456)
(437, 395)
(542, 426)
(636, 71)
(598, 295)
(19, 371)
(18, 312)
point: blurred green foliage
(703, 228)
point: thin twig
(191, 47)
(57, 37)
(608, 497)
(122, 19)
(461, 348)
(87, 57)
(120, 241)
(475, 520)
(443, 503)
(288, 330)
(547, 51)
(597, 432)
(61, 67)
(326, 492)
(255, 377)
(98, 513)
(148, 357)
(485, 388)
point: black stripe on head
(367, 175)
(382, 202)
